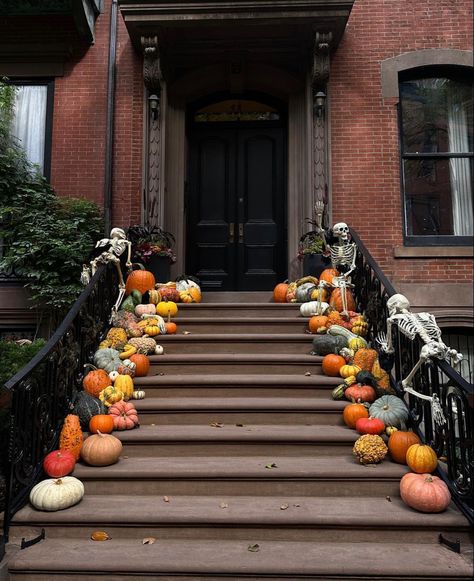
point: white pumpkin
(113, 375)
(186, 284)
(159, 350)
(139, 394)
(130, 364)
(57, 493)
(313, 308)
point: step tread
(343, 467)
(242, 305)
(237, 337)
(249, 404)
(236, 358)
(315, 379)
(233, 433)
(278, 558)
(240, 510)
(243, 320)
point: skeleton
(343, 258)
(117, 245)
(424, 325)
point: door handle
(231, 232)
(241, 233)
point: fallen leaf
(166, 498)
(307, 374)
(100, 536)
(148, 540)
(254, 548)
(284, 506)
(270, 466)
(388, 498)
(125, 457)
(216, 425)
(240, 425)
(161, 373)
(297, 505)
(186, 332)
(224, 505)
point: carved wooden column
(319, 78)
(153, 211)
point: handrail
(452, 441)
(43, 392)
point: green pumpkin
(326, 344)
(107, 359)
(87, 406)
(136, 297)
(391, 410)
(303, 292)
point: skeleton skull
(341, 231)
(118, 233)
(397, 304)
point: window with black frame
(32, 121)
(437, 145)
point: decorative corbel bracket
(320, 72)
(152, 74)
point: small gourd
(128, 351)
(139, 394)
(124, 383)
(159, 350)
(145, 310)
(167, 309)
(107, 359)
(113, 376)
(348, 371)
(313, 308)
(110, 395)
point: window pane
(437, 116)
(29, 121)
(438, 196)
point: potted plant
(153, 247)
(313, 252)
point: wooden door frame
(261, 78)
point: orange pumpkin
(332, 364)
(171, 328)
(353, 412)
(101, 423)
(398, 445)
(191, 295)
(140, 280)
(71, 437)
(317, 322)
(95, 381)
(421, 459)
(336, 300)
(279, 292)
(328, 274)
(142, 363)
(424, 492)
(365, 358)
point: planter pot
(314, 264)
(160, 267)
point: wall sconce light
(154, 104)
(319, 103)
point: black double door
(236, 211)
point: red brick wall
(79, 125)
(365, 150)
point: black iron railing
(453, 441)
(43, 392)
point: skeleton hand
(381, 339)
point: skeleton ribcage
(342, 254)
(423, 324)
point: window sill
(433, 252)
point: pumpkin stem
(93, 367)
(429, 478)
(58, 481)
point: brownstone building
(225, 122)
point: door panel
(236, 207)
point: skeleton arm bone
(388, 348)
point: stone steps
(239, 410)
(248, 385)
(317, 519)
(223, 363)
(241, 325)
(286, 343)
(221, 560)
(238, 310)
(243, 475)
(245, 440)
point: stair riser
(238, 486)
(235, 368)
(180, 449)
(53, 576)
(167, 418)
(270, 532)
(235, 347)
(249, 327)
(318, 391)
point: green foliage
(14, 357)
(47, 238)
